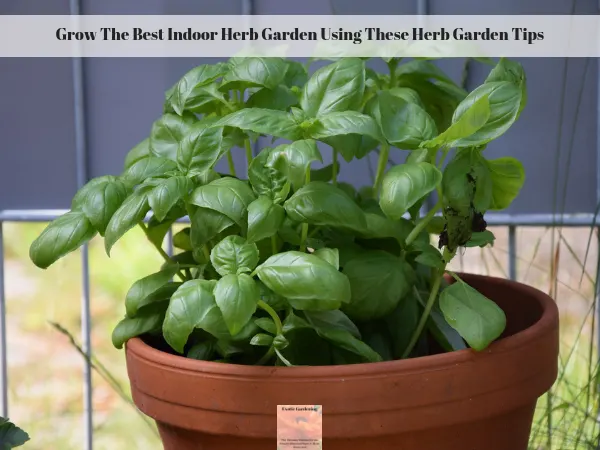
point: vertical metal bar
(170, 242)
(422, 7)
(512, 252)
(3, 355)
(82, 175)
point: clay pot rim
(426, 363)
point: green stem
(274, 244)
(248, 151)
(160, 250)
(335, 168)
(423, 223)
(231, 164)
(305, 225)
(278, 325)
(206, 252)
(384, 154)
(432, 296)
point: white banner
(299, 36)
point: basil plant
(283, 264)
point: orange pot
(462, 400)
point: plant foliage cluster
(284, 264)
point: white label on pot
(299, 427)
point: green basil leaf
(476, 318)
(378, 280)
(237, 297)
(146, 168)
(140, 151)
(507, 176)
(132, 211)
(507, 70)
(185, 92)
(266, 180)
(443, 333)
(307, 281)
(321, 203)
(334, 319)
(504, 99)
(475, 117)
(424, 69)
(404, 124)
(295, 75)
(202, 351)
(349, 132)
(331, 255)
(167, 193)
(322, 174)
(233, 255)
(280, 342)
(294, 322)
(408, 95)
(167, 134)
(147, 320)
(262, 340)
(99, 199)
(263, 121)
(429, 256)
(253, 72)
(143, 291)
(275, 301)
(206, 225)
(481, 239)
(467, 182)
(345, 340)
(335, 87)
(11, 436)
(264, 219)
(192, 306)
(280, 98)
(62, 236)
(294, 159)
(157, 230)
(182, 240)
(228, 196)
(267, 324)
(406, 184)
(201, 147)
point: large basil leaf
(475, 117)
(237, 297)
(294, 159)
(507, 176)
(295, 75)
(264, 219)
(443, 333)
(504, 98)
(280, 98)
(345, 340)
(407, 94)
(263, 121)
(146, 168)
(476, 318)
(334, 319)
(507, 70)
(402, 323)
(63, 235)
(167, 193)
(406, 184)
(145, 290)
(132, 211)
(202, 147)
(336, 87)
(140, 151)
(99, 199)
(378, 280)
(11, 436)
(467, 182)
(228, 196)
(266, 180)
(167, 134)
(206, 225)
(253, 72)
(186, 92)
(147, 320)
(404, 124)
(307, 281)
(233, 255)
(192, 306)
(321, 203)
(424, 69)
(331, 255)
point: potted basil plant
(292, 287)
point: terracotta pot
(462, 400)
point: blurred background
(64, 121)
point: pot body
(463, 400)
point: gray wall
(124, 96)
